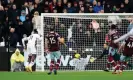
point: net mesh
(85, 33)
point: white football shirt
(33, 38)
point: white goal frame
(40, 60)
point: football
(62, 40)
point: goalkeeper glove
(92, 59)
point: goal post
(84, 32)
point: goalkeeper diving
(112, 48)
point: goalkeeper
(104, 52)
(79, 62)
(105, 49)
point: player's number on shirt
(130, 45)
(52, 40)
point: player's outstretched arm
(121, 47)
(124, 36)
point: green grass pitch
(65, 76)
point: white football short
(31, 49)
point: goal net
(82, 32)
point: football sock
(31, 64)
(51, 66)
(57, 64)
(124, 64)
(108, 65)
(26, 64)
(113, 64)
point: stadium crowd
(19, 17)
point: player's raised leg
(124, 63)
(110, 59)
(58, 56)
(32, 62)
(29, 60)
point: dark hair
(113, 26)
(52, 28)
(35, 31)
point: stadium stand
(16, 15)
(19, 17)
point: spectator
(64, 10)
(127, 6)
(23, 15)
(91, 1)
(98, 7)
(46, 10)
(107, 8)
(117, 10)
(52, 5)
(75, 8)
(1, 14)
(78, 33)
(11, 11)
(17, 61)
(19, 29)
(19, 3)
(102, 11)
(55, 11)
(59, 7)
(27, 25)
(91, 10)
(13, 37)
(99, 38)
(26, 8)
(34, 10)
(14, 13)
(36, 22)
(1, 22)
(6, 31)
(95, 26)
(122, 8)
(69, 8)
(65, 3)
(37, 2)
(46, 7)
(82, 9)
(31, 6)
(11, 2)
(88, 4)
(6, 12)
(69, 37)
(81, 3)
